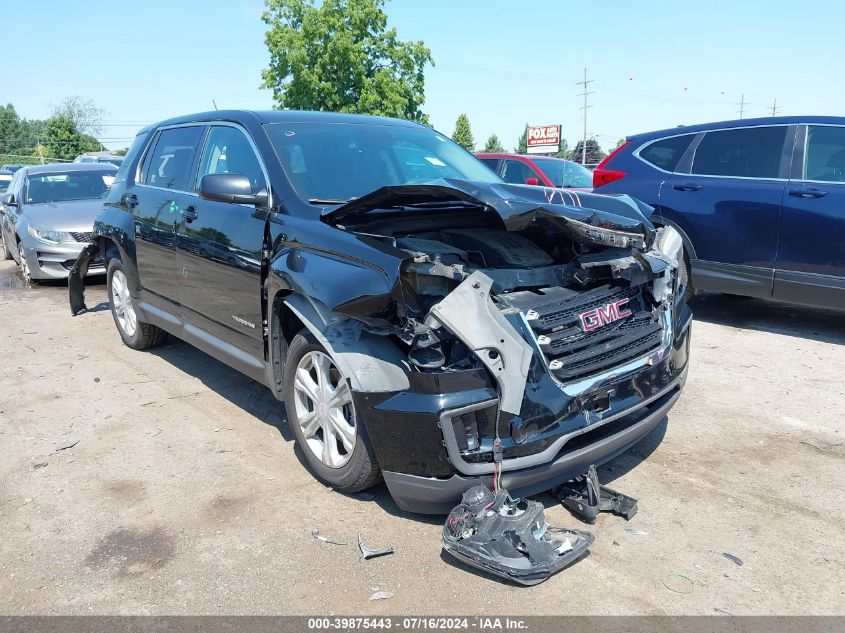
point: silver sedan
(47, 216)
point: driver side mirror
(233, 188)
(532, 181)
(9, 200)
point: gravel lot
(182, 492)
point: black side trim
(809, 289)
(216, 347)
(750, 281)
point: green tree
(594, 153)
(463, 133)
(522, 143)
(493, 145)
(563, 152)
(341, 57)
(86, 116)
(619, 143)
(62, 139)
(10, 129)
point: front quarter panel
(350, 274)
(115, 229)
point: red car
(544, 171)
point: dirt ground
(163, 482)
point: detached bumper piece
(585, 497)
(76, 278)
(510, 538)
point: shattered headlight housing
(670, 246)
(49, 236)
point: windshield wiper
(327, 201)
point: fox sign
(543, 139)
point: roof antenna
(215, 104)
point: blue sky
(654, 64)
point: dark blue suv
(760, 203)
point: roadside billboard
(543, 139)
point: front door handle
(687, 186)
(807, 192)
(189, 213)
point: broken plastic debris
(510, 538)
(585, 497)
(736, 560)
(316, 534)
(381, 595)
(367, 553)
(636, 532)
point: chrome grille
(573, 354)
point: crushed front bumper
(425, 473)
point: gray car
(47, 214)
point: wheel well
(108, 250)
(284, 325)
(689, 249)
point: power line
(584, 94)
(742, 103)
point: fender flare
(371, 362)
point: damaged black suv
(422, 320)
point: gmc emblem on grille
(603, 315)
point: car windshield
(337, 162)
(564, 173)
(4, 182)
(113, 160)
(59, 186)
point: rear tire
(135, 333)
(312, 384)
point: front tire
(23, 266)
(318, 400)
(135, 333)
(5, 253)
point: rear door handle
(808, 192)
(687, 186)
(130, 200)
(190, 213)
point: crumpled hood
(518, 206)
(71, 215)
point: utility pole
(584, 107)
(742, 103)
(775, 107)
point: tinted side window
(227, 151)
(492, 163)
(749, 152)
(825, 154)
(137, 145)
(169, 164)
(666, 152)
(517, 172)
